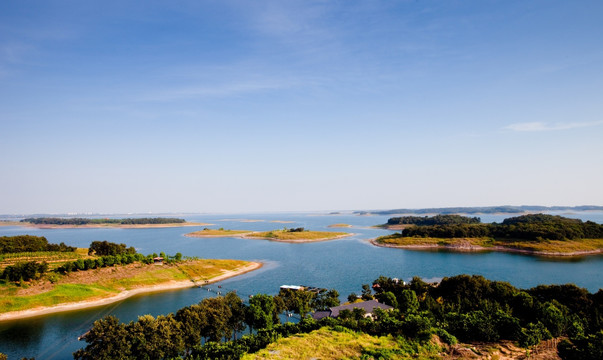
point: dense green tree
(388, 298)
(589, 347)
(101, 248)
(236, 321)
(24, 271)
(107, 340)
(408, 302)
(217, 314)
(192, 322)
(29, 243)
(260, 312)
(325, 299)
(298, 301)
(367, 292)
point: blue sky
(235, 106)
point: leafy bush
(24, 271)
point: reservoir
(343, 264)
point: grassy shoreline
(543, 248)
(104, 286)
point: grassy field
(327, 344)
(284, 235)
(53, 258)
(106, 282)
(60, 294)
(217, 233)
(547, 246)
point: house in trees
(367, 306)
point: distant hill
(505, 209)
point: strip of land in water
(126, 223)
(91, 288)
(542, 248)
(340, 225)
(92, 226)
(274, 235)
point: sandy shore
(477, 248)
(172, 285)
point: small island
(40, 278)
(536, 234)
(340, 225)
(127, 223)
(294, 235)
(221, 232)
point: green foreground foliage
(468, 308)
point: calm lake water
(343, 264)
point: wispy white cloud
(225, 89)
(543, 126)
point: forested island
(535, 233)
(37, 277)
(462, 315)
(505, 209)
(51, 222)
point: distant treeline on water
(505, 209)
(86, 221)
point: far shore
(96, 226)
(171, 285)
(477, 248)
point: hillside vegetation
(538, 232)
(466, 308)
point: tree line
(207, 330)
(433, 220)
(485, 210)
(468, 308)
(86, 221)
(533, 227)
(30, 243)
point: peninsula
(40, 278)
(536, 234)
(295, 235)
